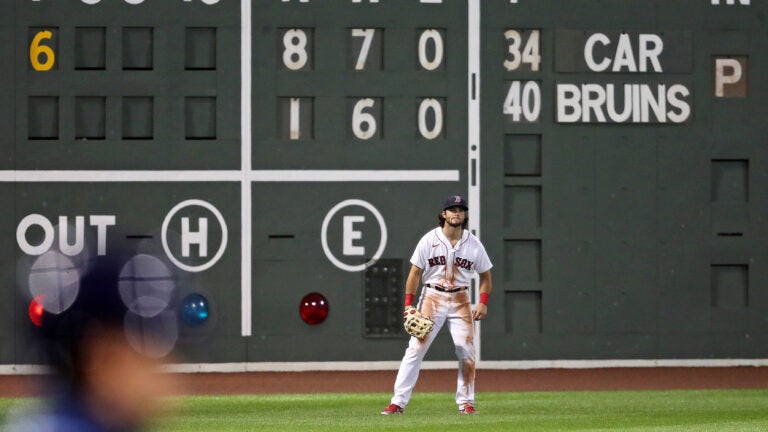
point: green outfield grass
(711, 410)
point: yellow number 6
(35, 50)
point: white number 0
(437, 109)
(437, 40)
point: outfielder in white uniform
(443, 263)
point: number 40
(523, 101)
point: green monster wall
(613, 154)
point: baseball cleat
(467, 409)
(392, 409)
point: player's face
(454, 216)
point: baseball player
(443, 263)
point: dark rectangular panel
(522, 155)
(200, 118)
(200, 49)
(138, 48)
(522, 208)
(384, 282)
(90, 48)
(90, 117)
(138, 117)
(43, 117)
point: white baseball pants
(453, 309)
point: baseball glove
(416, 324)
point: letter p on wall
(731, 76)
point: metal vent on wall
(384, 299)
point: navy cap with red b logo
(455, 201)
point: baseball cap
(455, 201)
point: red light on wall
(313, 308)
(36, 311)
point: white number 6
(360, 119)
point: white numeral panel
(297, 46)
(365, 49)
(431, 118)
(365, 118)
(296, 118)
(523, 101)
(523, 52)
(431, 49)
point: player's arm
(486, 285)
(412, 284)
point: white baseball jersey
(446, 265)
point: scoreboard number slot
(431, 49)
(431, 118)
(362, 40)
(523, 101)
(522, 49)
(41, 56)
(296, 45)
(364, 118)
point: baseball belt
(445, 290)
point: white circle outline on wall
(219, 217)
(324, 235)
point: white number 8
(295, 54)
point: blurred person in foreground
(99, 381)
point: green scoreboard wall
(613, 154)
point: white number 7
(365, 48)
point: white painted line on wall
(245, 174)
(473, 142)
(427, 365)
(106, 176)
(441, 365)
(354, 175)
